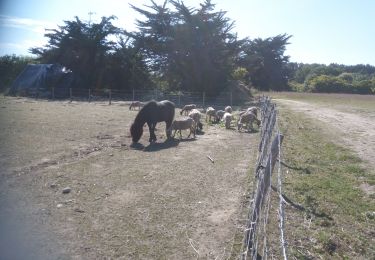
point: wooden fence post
(89, 95)
(133, 94)
(204, 99)
(179, 98)
(70, 94)
(53, 93)
(110, 97)
(231, 99)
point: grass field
(334, 217)
(364, 104)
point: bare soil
(355, 129)
(161, 201)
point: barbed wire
(256, 239)
(281, 199)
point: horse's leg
(153, 132)
(168, 130)
(151, 128)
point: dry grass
(147, 202)
(323, 177)
(363, 104)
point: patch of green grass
(324, 178)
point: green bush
(341, 84)
(327, 84)
(295, 86)
(364, 87)
(348, 77)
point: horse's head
(136, 132)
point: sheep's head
(200, 126)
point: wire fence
(180, 98)
(256, 243)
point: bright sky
(324, 31)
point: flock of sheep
(193, 116)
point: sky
(323, 31)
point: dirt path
(356, 130)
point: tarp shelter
(39, 79)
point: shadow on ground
(154, 147)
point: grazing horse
(152, 113)
(135, 104)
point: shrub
(348, 77)
(295, 86)
(364, 87)
(328, 84)
(340, 84)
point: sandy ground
(355, 130)
(161, 201)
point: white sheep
(248, 118)
(228, 109)
(182, 124)
(187, 108)
(135, 104)
(210, 112)
(196, 115)
(227, 119)
(254, 110)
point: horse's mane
(143, 113)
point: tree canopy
(266, 63)
(190, 48)
(91, 52)
(175, 47)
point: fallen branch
(212, 160)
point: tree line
(181, 48)
(175, 48)
(333, 78)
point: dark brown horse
(152, 113)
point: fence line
(180, 98)
(255, 243)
